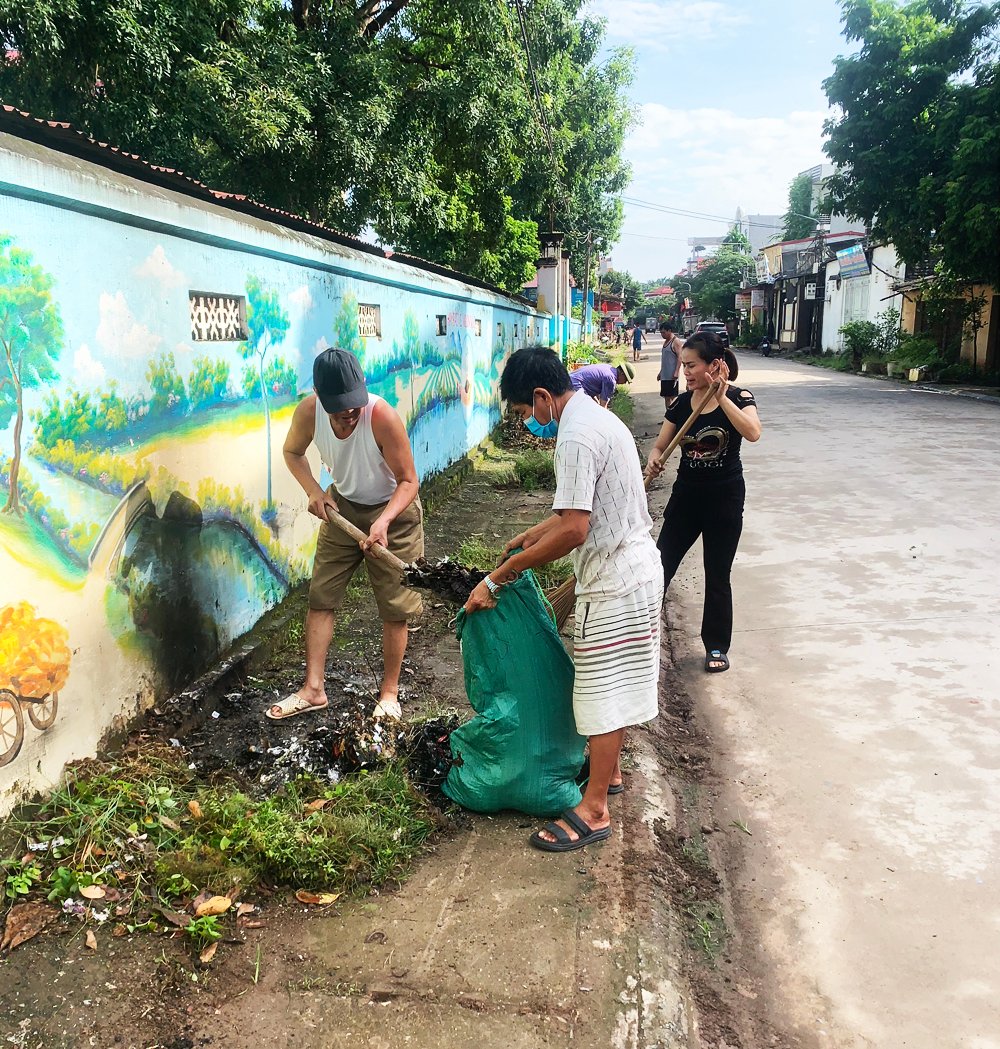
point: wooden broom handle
(376, 550)
(676, 439)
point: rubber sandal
(715, 656)
(388, 707)
(563, 842)
(584, 775)
(292, 705)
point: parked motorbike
(765, 346)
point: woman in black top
(708, 494)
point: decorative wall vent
(217, 318)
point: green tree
(917, 138)
(618, 283)
(208, 382)
(168, 393)
(267, 325)
(31, 336)
(417, 119)
(799, 220)
(714, 287)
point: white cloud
(320, 345)
(157, 267)
(709, 161)
(301, 298)
(183, 347)
(87, 369)
(663, 25)
(119, 333)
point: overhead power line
(700, 215)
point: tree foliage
(31, 335)
(619, 283)
(714, 287)
(917, 138)
(415, 119)
(798, 221)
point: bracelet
(494, 588)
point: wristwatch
(494, 588)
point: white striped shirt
(597, 469)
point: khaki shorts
(338, 557)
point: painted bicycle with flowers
(34, 666)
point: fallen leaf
(92, 892)
(214, 905)
(245, 908)
(119, 930)
(208, 953)
(200, 899)
(91, 940)
(317, 899)
(252, 925)
(170, 824)
(182, 921)
(25, 920)
(195, 809)
(315, 806)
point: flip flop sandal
(388, 708)
(563, 842)
(715, 656)
(292, 705)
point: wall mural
(143, 403)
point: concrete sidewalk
(491, 944)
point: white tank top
(360, 473)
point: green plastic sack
(521, 750)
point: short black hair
(667, 326)
(528, 369)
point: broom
(563, 598)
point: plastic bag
(521, 750)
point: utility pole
(586, 290)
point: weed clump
(476, 553)
(126, 838)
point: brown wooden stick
(678, 437)
(376, 549)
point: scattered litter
(212, 906)
(317, 899)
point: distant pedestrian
(709, 492)
(600, 380)
(670, 363)
(638, 338)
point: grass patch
(476, 553)
(623, 406)
(707, 931)
(526, 468)
(838, 362)
(125, 837)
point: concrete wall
(148, 517)
(859, 298)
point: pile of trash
(445, 578)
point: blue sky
(730, 108)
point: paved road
(859, 731)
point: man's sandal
(563, 842)
(292, 705)
(715, 656)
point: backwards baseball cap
(339, 381)
(627, 370)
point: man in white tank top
(365, 447)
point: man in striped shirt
(600, 518)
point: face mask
(546, 431)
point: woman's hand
(722, 375)
(654, 467)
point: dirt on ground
(151, 990)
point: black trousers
(714, 512)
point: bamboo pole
(376, 549)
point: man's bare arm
(297, 441)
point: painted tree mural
(31, 336)
(267, 325)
